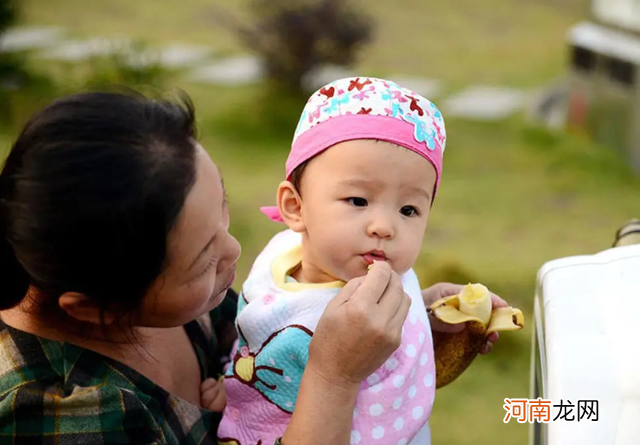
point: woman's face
(201, 254)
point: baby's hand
(440, 290)
(213, 396)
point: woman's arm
(359, 330)
(323, 412)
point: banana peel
(455, 352)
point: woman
(116, 267)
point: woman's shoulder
(68, 394)
(50, 389)
(73, 413)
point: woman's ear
(82, 308)
(290, 206)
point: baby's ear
(290, 205)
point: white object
(586, 348)
(485, 103)
(428, 88)
(623, 13)
(606, 41)
(79, 50)
(324, 75)
(240, 70)
(173, 56)
(24, 39)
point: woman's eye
(358, 202)
(409, 211)
(208, 268)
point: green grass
(493, 41)
(513, 196)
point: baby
(361, 177)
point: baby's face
(364, 200)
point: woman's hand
(360, 328)
(440, 290)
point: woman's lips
(231, 280)
(228, 285)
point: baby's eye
(358, 202)
(409, 211)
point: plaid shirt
(58, 393)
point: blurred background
(539, 97)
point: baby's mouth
(374, 255)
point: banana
(455, 352)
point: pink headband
(366, 108)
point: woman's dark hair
(89, 194)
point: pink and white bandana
(366, 108)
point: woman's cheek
(201, 289)
(194, 302)
(207, 285)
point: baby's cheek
(407, 258)
(341, 265)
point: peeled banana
(455, 352)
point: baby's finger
(497, 302)
(208, 383)
(493, 337)
(210, 395)
(486, 348)
(219, 402)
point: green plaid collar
(54, 392)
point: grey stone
(548, 105)
(485, 103)
(324, 75)
(241, 70)
(29, 38)
(79, 50)
(173, 56)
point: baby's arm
(212, 395)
